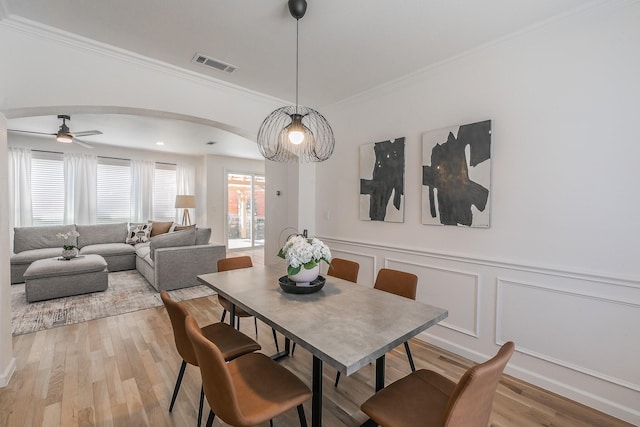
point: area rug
(128, 291)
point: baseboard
(8, 373)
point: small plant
(300, 251)
(65, 237)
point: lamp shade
(185, 202)
(275, 143)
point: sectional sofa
(168, 261)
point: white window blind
(47, 188)
(164, 192)
(113, 191)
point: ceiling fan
(64, 135)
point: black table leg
(380, 373)
(316, 399)
(232, 320)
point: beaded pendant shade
(296, 133)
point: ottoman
(57, 277)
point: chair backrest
(344, 269)
(397, 282)
(177, 314)
(471, 401)
(234, 263)
(216, 379)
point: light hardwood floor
(120, 371)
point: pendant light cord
(297, 60)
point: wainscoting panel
(576, 333)
(572, 330)
(455, 290)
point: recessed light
(159, 143)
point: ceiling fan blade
(87, 133)
(29, 131)
(82, 143)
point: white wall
(7, 361)
(557, 271)
(216, 169)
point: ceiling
(346, 47)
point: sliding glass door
(245, 210)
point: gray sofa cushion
(27, 238)
(101, 233)
(142, 249)
(107, 249)
(53, 267)
(202, 236)
(27, 257)
(169, 240)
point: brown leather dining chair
(342, 269)
(427, 399)
(236, 263)
(232, 343)
(248, 390)
(399, 283)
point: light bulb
(296, 137)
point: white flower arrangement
(300, 251)
(65, 237)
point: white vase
(304, 277)
(69, 253)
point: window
(114, 191)
(47, 188)
(164, 192)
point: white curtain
(142, 190)
(19, 188)
(80, 182)
(185, 185)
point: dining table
(344, 325)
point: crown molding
(75, 41)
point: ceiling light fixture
(64, 135)
(296, 133)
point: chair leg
(210, 419)
(270, 423)
(406, 348)
(303, 420)
(337, 379)
(201, 406)
(293, 348)
(178, 382)
(224, 314)
(369, 423)
(238, 322)
(255, 324)
(275, 339)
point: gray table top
(344, 324)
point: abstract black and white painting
(456, 175)
(382, 181)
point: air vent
(213, 63)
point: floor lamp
(186, 203)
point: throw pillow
(158, 228)
(138, 233)
(203, 235)
(183, 227)
(170, 240)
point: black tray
(289, 285)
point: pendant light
(296, 133)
